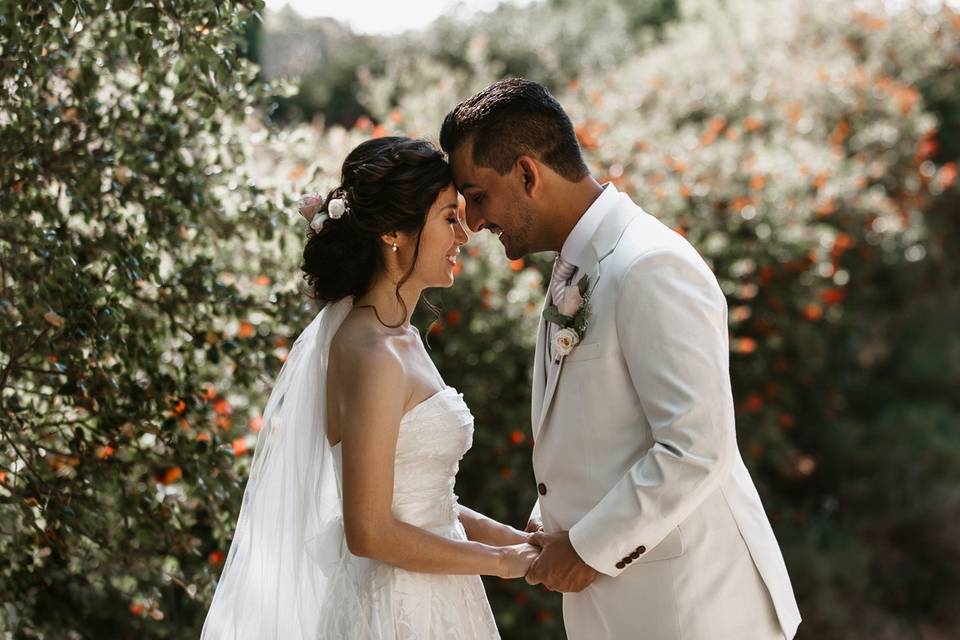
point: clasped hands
(558, 567)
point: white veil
(289, 554)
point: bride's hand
(508, 536)
(516, 559)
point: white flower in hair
(336, 207)
(317, 222)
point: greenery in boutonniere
(571, 314)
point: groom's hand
(558, 567)
(534, 525)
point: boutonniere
(571, 314)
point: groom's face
(495, 203)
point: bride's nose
(461, 234)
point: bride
(349, 527)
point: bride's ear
(529, 173)
(392, 240)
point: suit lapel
(539, 370)
(603, 243)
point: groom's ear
(529, 172)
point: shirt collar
(576, 243)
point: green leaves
(551, 314)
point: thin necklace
(379, 319)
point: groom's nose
(474, 220)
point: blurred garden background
(152, 155)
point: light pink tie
(562, 270)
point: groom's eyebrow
(465, 186)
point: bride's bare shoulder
(359, 346)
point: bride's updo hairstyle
(386, 184)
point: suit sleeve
(671, 320)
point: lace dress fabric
(372, 600)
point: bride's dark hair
(388, 184)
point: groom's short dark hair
(510, 118)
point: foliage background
(149, 252)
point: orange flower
(586, 138)
(826, 208)
(717, 124)
(203, 436)
(454, 318)
(821, 179)
(216, 558)
(739, 203)
(246, 330)
(678, 166)
(518, 264)
(757, 182)
(256, 423)
(753, 403)
(263, 280)
(832, 296)
(746, 345)
(136, 609)
(841, 243)
(239, 446)
(363, 123)
(105, 451)
(436, 328)
(457, 268)
(813, 312)
(517, 437)
(171, 475)
(840, 133)
(751, 123)
(3, 477)
(222, 407)
(179, 408)
(210, 393)
(787, 421)
(378, 131)
(947, 175)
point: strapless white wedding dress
(371, 600)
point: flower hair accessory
(310, 205)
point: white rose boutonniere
(571, 314)
(564, 341)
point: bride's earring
(395, 247)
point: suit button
(620, 565)
(542, 488)
(628, 559)
(635, 555)
(641, 549)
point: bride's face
(443, 234)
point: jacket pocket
(583, 352)
(670, 547)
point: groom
(647, 517)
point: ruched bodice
(433, 438)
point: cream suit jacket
(635, 452)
